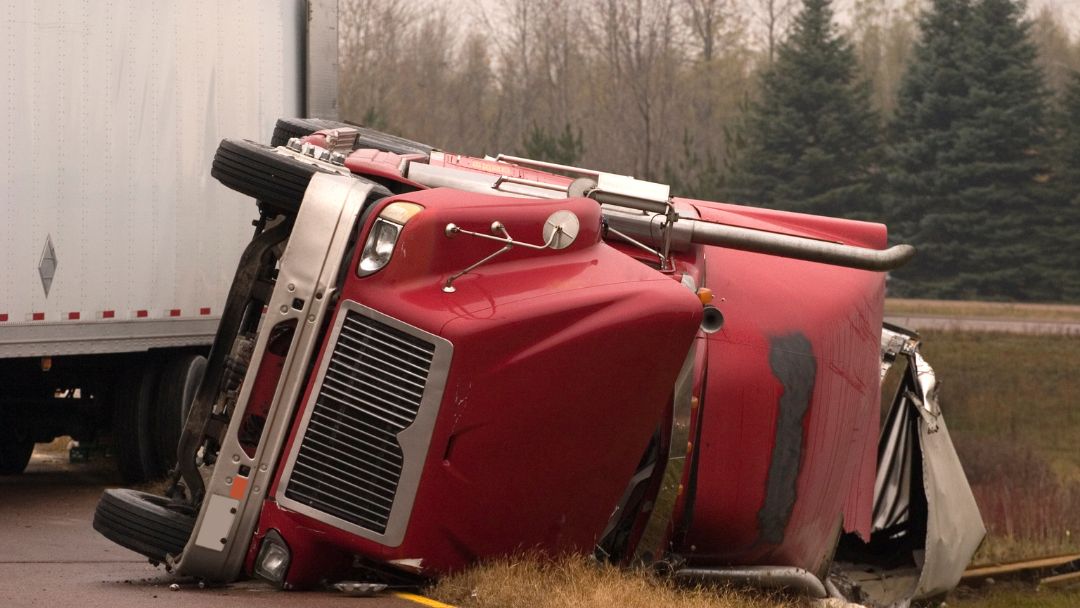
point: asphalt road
(51, 556)
(1006, 325)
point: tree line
(957, 122)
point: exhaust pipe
(711, 319)
(685, 232)
(801, 248)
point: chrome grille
(350, 461)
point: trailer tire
(146, 523)
(180, 378)
(132, 415)
(287, 128)
(15, 451)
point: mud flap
(926, 524)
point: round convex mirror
(560, 229)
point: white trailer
(117, 248)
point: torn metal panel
(954, 527)
(926, 523)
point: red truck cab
(429, 359)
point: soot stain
(791, 358)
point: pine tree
(969, 131)
(812, 139)
(1060, 234)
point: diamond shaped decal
(47, 265)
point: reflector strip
(141, 314)
(37, 316)
(204, 311)
(239, 485)
(3, 317)
(73, 316)
(175, 312)
(108, 314)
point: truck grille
(350, 462)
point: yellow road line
(419, 599)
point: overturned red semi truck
(428, 359)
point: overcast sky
(1069, 9)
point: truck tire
(287, 128)
(15, 450)
(145, 523)
(257, 171)
(132, 415)
(180, 378)
(271, 178)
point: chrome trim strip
(413, 439)
(308, 271)
(654, 537)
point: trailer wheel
(180, 378)
(15, 450)
(287, 128)
(145, 523)
(132, 415)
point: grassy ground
(1022, 390)
(983, 310)
(1015, 597)
(578, 582)
(1013, 407)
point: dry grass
(983, 310)
(1029, 510)
(1017, 597)
(579, 582)
(60, 445)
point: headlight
(273, 560)
(384, 235)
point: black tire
(180, 378)
(271, 178)
(132, 416)
(16, 446)
(257, 171)
(287, 128)
(148, 524)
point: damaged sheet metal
(926, 524)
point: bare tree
(1058, 55)
(641, 59)
(774, 16)
(706, 20)
(371, 36)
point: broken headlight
(273, 561)
(383, 236)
